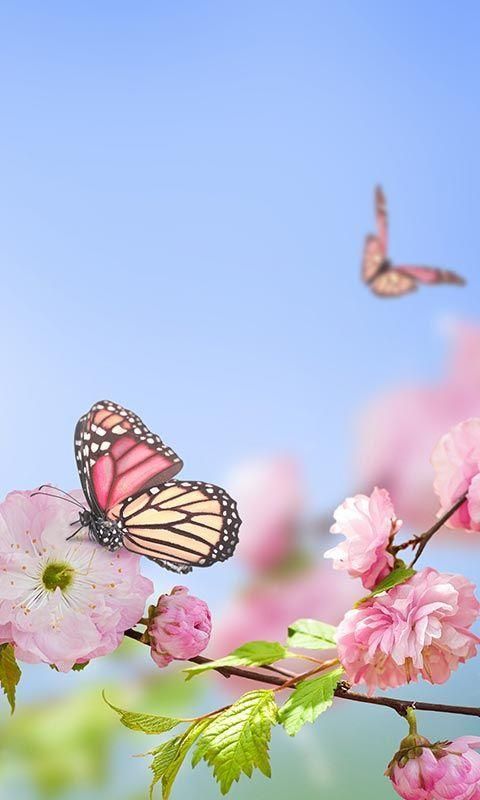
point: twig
(342, 691)
(400, 706)
(424, 539)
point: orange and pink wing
(431, 275)
(373, 258)
(181, 524)
(393, 283)
(117, 456)
(382, 218)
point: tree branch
(342, 691)
(424, 539)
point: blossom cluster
(414, 624)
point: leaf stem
(304, 675)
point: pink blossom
(418, 628)
(270, 496)
(368, 523)
(456, 461)
(440, 771)
(179, 627)
(399, 429)
(62, 602)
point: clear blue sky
(184, 192)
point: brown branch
(424, 539)
(342, 691)
(400, 706)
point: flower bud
(421, 770)
(179, 627)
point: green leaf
(311, 634)
(396, 577)
(147, 723)
(237, 740)
(310, 699)
(251, 654)
(169, 756)
(163, 758)
(9, 673)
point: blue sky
(185, 190)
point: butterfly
(127, 472)
(378, 272)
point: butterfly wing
(382, 218)
(373, 258)
(393, 283)
(117, 455)
(432, 275)
(181, 524)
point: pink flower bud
(440, 771)
(179, 627)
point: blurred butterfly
(126, 474)
(378, 272)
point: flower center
(57, 576)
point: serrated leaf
(251, 654)
(395, 578)
(147, 723)
(311, 634)
(9, 673)
(237, 740)
(184, 744)
(309, 699)
(164, 755)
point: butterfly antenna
(74, 533)
(63, 496)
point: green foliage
(309, 699)
(311, 634)
(60, 744)
(237, 739)
(169, 756)
(147, 723)
(9, 673)
(251, 654)
(395, 578)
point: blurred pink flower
(456, 461)
(440, 771)
(179, 627)
(399, 429)
(420, 627)
(62, 602)
(268, 607)
(270, 496)
(368, 523)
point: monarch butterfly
(126, 474)
(377, 270)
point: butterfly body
(386, 279)
(126, 472)
(383, 267)
(105, 532)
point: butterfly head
(104, 531)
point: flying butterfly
(127, 472)
(378, 272)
